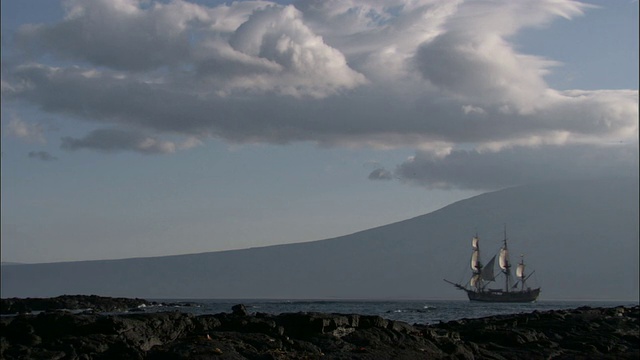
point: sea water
(410, 311)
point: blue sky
(156, 128)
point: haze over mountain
(581, 237)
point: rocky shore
(583, 333)
(71, 302)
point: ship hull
(506, 297)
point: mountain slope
(581, 237)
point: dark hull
(507, 297)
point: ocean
(410, 311)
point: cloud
(287, 57)
(33, 133)
(476, 170)
(114, 140)
(41, 155)
(380, 174)
(444, 77)
(118, 34)
(473, 59)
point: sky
(149, 128)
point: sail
(474, 260)
(514, 288)
(520, 271)
(487, 271)
(474, 280)
(504, 258)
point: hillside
(581, 238)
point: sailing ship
(478, 289)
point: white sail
(487, 271)
(474, 280)
(480, 284)
(474, 260)
(504, 258)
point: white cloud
(190, 142)
(472, 60)
(18, 128)
(301, 63)
(467, 109)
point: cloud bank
(113, 140)
(442, 77)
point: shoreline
(583, 332)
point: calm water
(410, 311)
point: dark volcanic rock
(70, 302)
(239, 310)
(608, 333)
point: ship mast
(504, 261)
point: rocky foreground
(583, 333)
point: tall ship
(512, 289)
